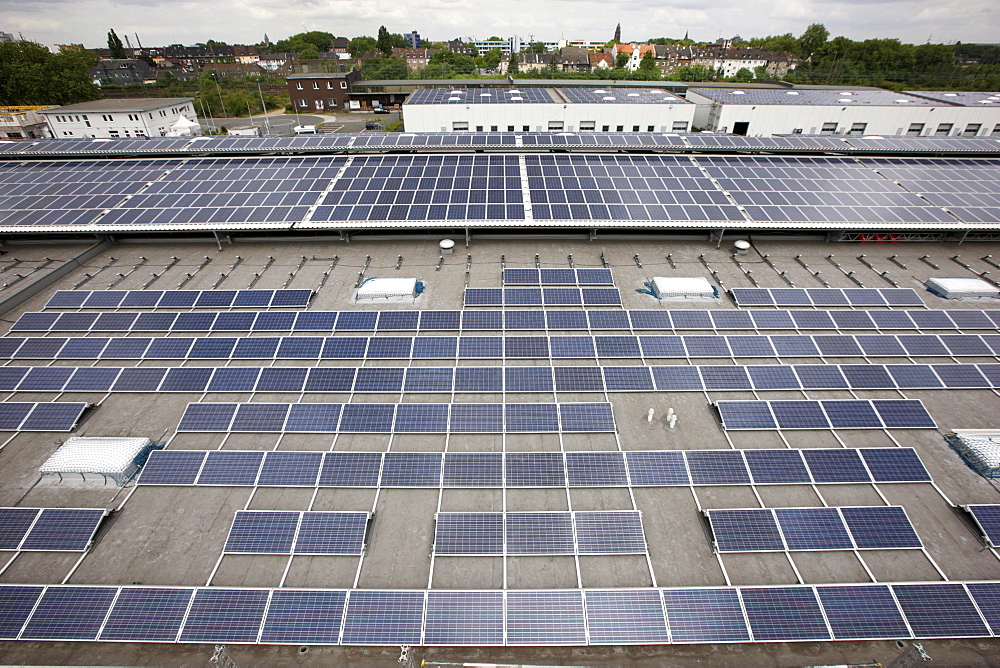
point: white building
(569, 109)
(115, 119)
(760, 112)
(977, 109)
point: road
(282, 124)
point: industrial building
(120, 119)
(546, 398)
(758, 112)
(546, 110)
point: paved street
(282, 124)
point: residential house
(529, 62)
(320, 92)
(311, 66)
(415, 58)
(23, 123)
(234, 70)
(247, 55)
(572, 59)
(272, 62)
(114, 119)
(732, 60)
(460, 47)
(601, 61)
(200, 54)
(635, 53)
(121, 72)
(340, 45)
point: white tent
(388, 288)
(183, 127)
(696, 287)
(957, 288)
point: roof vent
(608, 98)
(516, 97)
(951, 94)
(791, 92)
(738, 92)
(845, 100)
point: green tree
(115, 45)
(512, 65)
(695, 73)
(494, 38)
(786, 43)
(621, 60)
(359, 46)
(458, 63)
(32, 75)
(384, 42)
(742, 76)
(489, 60)
(386, 67)
(813, 39)
(648, 64)
(536, 47)
(760, 72)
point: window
(479, 128)
(315, 85)
(680, 126)
(510, 128)
(635, 128)
(620, 128)
(525, 128)
(303, 103)
(828, 128)
(555, 126)
(113, 134)
(858, 128)
(944, 129)
(588, 125)
(493, 128)
(996, 129)
(85, 118)
(915, 129)
(343, 85)
(972, 129)
(797, 131)
(140, 133)
(331, 102)
(329, 85)
(650, 128)
(298, 86)
(460, 126)
(87, 122)
(605, 128)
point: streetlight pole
(218, 88)
(263, 108)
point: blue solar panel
(625, 617)
(660, 468)
(710, 467)
(596, 469)
(331, 533)
(851, 415)
(290, 469)
(63, 529)
(799, 415)
(146, 614)
(474, 534)
(746, 415)
(942, 610)
(225, 615)
(464, 618)
(750, 530)
(231, 467)
(725, 378)
(313, 418)
(350, 469)
(383, 618)
(16, 603)
(172, 467)
(813, 529)
(260, 417)
(545, 618)
(411, 469)
(367, 418)
(773, 377)
(862, 612)
(531, 418)
(477, 418)
(833, 465)
(776, 467)
(301, 617)
(895, 465)
(14, 525)
(880, 527)
(585, 417)
(56, 416)
(705, 615)
(528, 379)
(572, 347)
(987, 598)
(535, 469)
(677, 378)
(473, 469)
(69, 613)
(784, 613)
(903, 414)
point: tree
(536, 47)
(359, 46)
(458, 63)
(695, 73)
(621, 60)
(386, 67)
(512, 65)
(32, 75)
(384, 41)
(760, 72)
(115, 45)
(648, 62)
(813, 39)
(489, 60)
(742, 76)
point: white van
(305, 129)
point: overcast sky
(161, 22)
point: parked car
(380, 110)
(373, 125)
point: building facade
(23, 123)
(320, 92)
(121, 72)
(118, 119)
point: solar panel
(609, 532)
(596, 469)
(300, 617)
(63, 529)
(16, 604)
(903, 414)
(456, 618)
(411, 469)
(225, 615)
(550, 617)
(146, 614)
(987, 598)
(880, 527)
(813, 529)
(894, 465)
(750, 530)
(383, 618)
(746, 415)
(711, 467)
(69, 613)
(350, 469)
(862, 612)
(534, 469)
(661, 468)
(705, 615)
(851, 414)
(835, 465)
(469, 534)
(942, 610)
(625, 617)
(231, 467)
(777, 467)
(331, 533)
(171, 467)
(784, 613)
(262, 532)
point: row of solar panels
(542, 297)
(850, 414)
(548, 533)
(513, 617)
(670, 378)
(583, 276)
(584, 140)
(294, 532)
(798, 529)
(179, 298)
(49, 529)
(987, 518)
(498, 347)
(476, 320)
(647, 468)
(41, 416)
(823, 297)
(398, 418)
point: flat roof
(812, 97)
(98, 106)
(972, 98)
(621, 96)
(480, 96)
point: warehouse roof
(853, 97)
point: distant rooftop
(619, 96)
(480, 96)
(98, 106)
(812, 97)
(961, 98)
